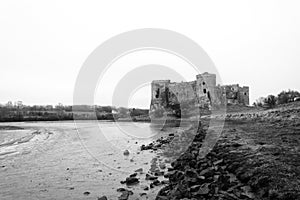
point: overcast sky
(44, 43)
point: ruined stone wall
(182, 92)
(236, 94)
(232, 91)
(244, 95)
(159, 97)
(201, 93)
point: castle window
(203, 83)
(157, 93)
(204, 91)
(245, 93)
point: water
(62, 160)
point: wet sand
(61, 160)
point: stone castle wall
(203, 92)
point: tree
(59, 106)
(270, 101)
(287, 96)
(260, 101)
(123, 112)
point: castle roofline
(161, 81)
(205, 74)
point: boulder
(126, 152)
(131, 181)
(151, 178)
(133, 175)
(102, 198)
(140, 170)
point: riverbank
(256, 157)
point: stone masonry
(202, 93)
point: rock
(124, 196)
(126, 153)
(167, 175)
(125, 193)
(151, 178)
(131, 181)
(102, 198)
(207, 172)
(191, 173)
(139, 170)
(162, 165)
(143, 194)
(156, 183)
(218, 162)
(177, 176)
(170, 169)
(86, 193)
(121, 189)
(145, 187)
(159, 173)
(161, 198)
(130, 192)
(195, 188)
(133, 175)
(204, 189)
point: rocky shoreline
(194, 177)
(256, 157)
(155, 177)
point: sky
(43, 44)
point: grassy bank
(257, 157)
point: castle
(203, 92)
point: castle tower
(244, 95)
(159, 93)
(206, 84)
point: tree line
(283, 97)
(11, 112)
